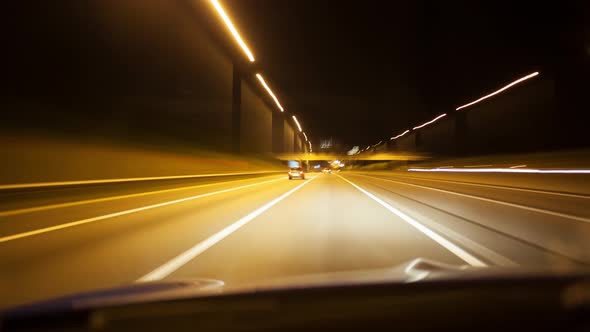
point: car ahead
(296, 173)
(326, 171)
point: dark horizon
(364, 73)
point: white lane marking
(466, 242)
(110, 198)
(464, 255)
(82, 182)
(122, 213)
(524, 207)
(185, 257)
(501, 170)
(500, 187)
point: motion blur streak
(519, 206)
(500, 90)
(467, 257)
(297, 123)
(305, 136)
(122, 213)
(429, 122)
(231, 28)
(507, 188)
(106, 181)
(104, 199)
(180, 260)
(400, 135)
(503, 170)
(269, 91)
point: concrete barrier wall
(439, 137)
(30, 160)
(115, 89)
(140, 72)
(406, 142)
(288, 137)
(130, 71)
(256, 124)
(520, 119)
(299, 144)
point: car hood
(418, 270)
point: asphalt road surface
(56, 241)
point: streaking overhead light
(305, 136)
(297, 123)
(400, 135)
(500, 90)
(269, 91)
(429, 122)
(232, 29)
(502, 170)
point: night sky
(364, 71)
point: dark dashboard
(495, 304)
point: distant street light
(232, 29)
(269, 91)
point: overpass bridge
(383, 156)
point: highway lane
(39, 209)
(118, 250)
(555, 222)
(255, 229)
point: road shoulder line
(476, 184)
(489, 200)
(459, 252)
